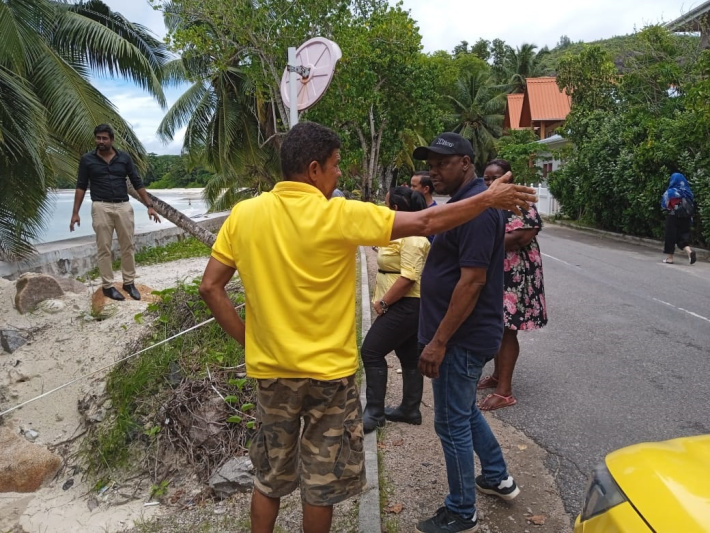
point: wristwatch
(149, 206)
(384, 306)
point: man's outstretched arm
(500, 195)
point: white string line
(109, 365)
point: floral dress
(524, 304)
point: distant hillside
(620, 48)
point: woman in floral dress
(524, 305)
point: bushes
(654, 122)
(187, 398)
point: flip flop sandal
(693, 257)
(487, 404)
(489, 382)
(666, 261)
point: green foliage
(520, 63)
(175, 171)
(589, 78)
(139, 387)
(520, 148)
(631, 133)
(153, 255)
(478, 107)
(619, 49)
(381, 95)
(159, 490)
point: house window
(546, 169)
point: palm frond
(182, 110)
(105, 49)
(22, 124)
(23, 167)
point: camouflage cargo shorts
(309, 435)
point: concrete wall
(76, 257)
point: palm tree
(230, 120)
(227, 125)
(48, 107)
(478, 107)
(521, 63)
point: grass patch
(390, 523)
(143, 389)
(153, 255)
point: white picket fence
(546, 203)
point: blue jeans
(463, 430)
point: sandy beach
(64, 346)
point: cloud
(139, 11)
(522, 21)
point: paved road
(625, 357)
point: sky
(442, 27)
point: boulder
(71, 285)
(24, 466)
(236, 475)
(99, 302)
(34, 288)
(11, 340)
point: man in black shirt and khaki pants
(104, 172)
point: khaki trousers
(105, 218)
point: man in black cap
(460, 329)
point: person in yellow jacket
(396, 302)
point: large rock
(236, 475)
(24, 466)
(99, 302)
(11, 340)
(71, 285)
(34, 288)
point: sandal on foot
(693, 257)
(489, 382)
(668, 262)
(496, 401)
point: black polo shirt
(479, 243)
(107, 181)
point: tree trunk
(176, 217)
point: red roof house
(543, 107)
(512, 111)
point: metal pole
(292, 89)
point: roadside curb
(643, 241)
(369, 512)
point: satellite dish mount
(308, 74)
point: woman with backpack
(679, 205)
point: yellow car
(661, 487)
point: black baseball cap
(448, 143)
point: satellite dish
(308, 74)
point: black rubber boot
(412, 388)
(373, 416)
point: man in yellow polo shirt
(295, 253)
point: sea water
(61, 204)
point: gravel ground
(413, 474)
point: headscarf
(677, 188)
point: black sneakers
(447, 521)
(506, 489)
